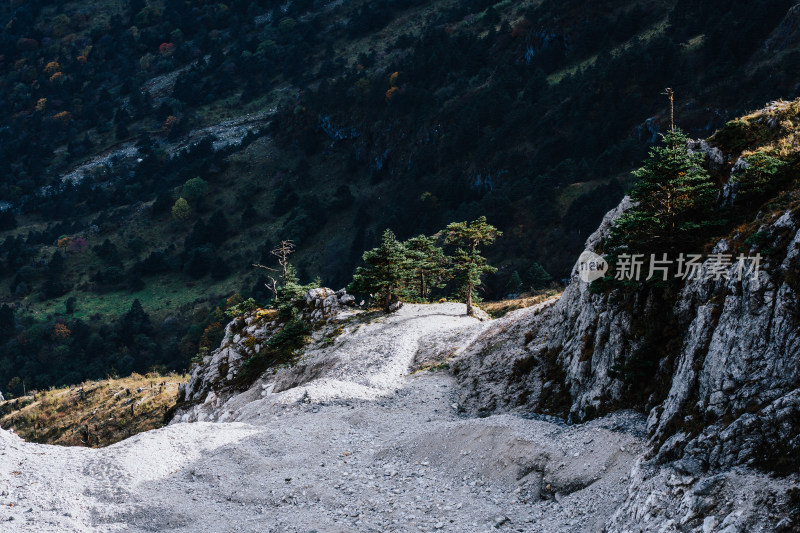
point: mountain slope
(644, 407)
(326, 123)
(94, 414)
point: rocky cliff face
(734, 397)
(735, 354)
(717, 372)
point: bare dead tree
(272, 284)
(671, 95)
(282, 252)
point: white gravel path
(372, 360)
(364, 447)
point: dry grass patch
(503, 307)
(95, 413)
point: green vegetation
(674, 197)
(429, 264)
(241, 308)
(684, 203)
(757, 179)
(538, 278)
(469, 265)
(293, 332)
(679, 208)
(181, 210)
(279, 349)
(514, 285)
(386, 270)
(411, 269)
(195, 189)
(290, 294)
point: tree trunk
(470, 311)
(388, 302)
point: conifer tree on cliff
(385, 271)
(468, 264)
(673, 196)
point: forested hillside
(154, 151)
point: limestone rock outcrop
(217, 377)
(323, 303)
(722, 394)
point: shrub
(181, 210)
(195, 189)
(278, 350)
(241, 308)
(757, 178)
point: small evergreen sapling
(290, 293)
(514, 284)
(537, 277)
(756, 179)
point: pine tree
(428, 265)
(538, 277)
(289, 293)
(468, 263)
(673, 195)
(514, 284)
(135, 321)
(386, 269)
